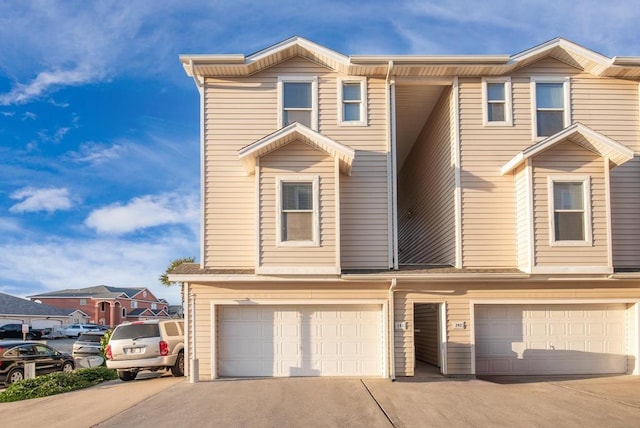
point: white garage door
(550, 339)
(341, 340)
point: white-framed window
(551, 105)
(352, 101)
(83, 302)
(496, 101)
(569, 210)
(297, 211)
(298, 101)
(134, 304)
(154, 306)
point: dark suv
(14, 331)
(15, 353)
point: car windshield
(135, 331)
(90, 337)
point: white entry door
(318, 340)
(550, 339)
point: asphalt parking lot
(160, 400)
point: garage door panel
(341, 340)
(550, 339)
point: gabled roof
(579, 134)
(410, 65)
(98, 291)
(241, 65)
(299, 132)
(11, 305)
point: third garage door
(304, 340)
(550, 339)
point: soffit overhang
(296, 132)
(579, 134)
(230, 65)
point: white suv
(146, 345)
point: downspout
(194, 369)
(392, 353)
(392, 183)
(200, 86)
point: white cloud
(34, 200)
(44, 82)
(57, 263)
(29, 115)
(8, 113)
(144, 212)
(95, 153)
(9, 225)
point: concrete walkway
(337, 402)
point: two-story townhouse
(367, 215)
(106, 305)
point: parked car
(14, 331)
(146, 345)
(15, 353)
(88, 344)
(74, 330)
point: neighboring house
(176, 311)
(478, 213)
(108, 305)
(22, 311)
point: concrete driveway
(321, 402)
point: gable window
(297, 99)
(496, 98)
(551, 105)
(297, 206)
(570, 213)
(352, 101)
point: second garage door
(550, 339)
(322, 340)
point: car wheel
(15, 375)
(67, 367)
(127, 375)
(178, 368)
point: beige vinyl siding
(295, 159)
(488, 201)
(238, 112)
(523, 217)
(426, 189)
(610, 106)
(426, 332)
(461, 297)
(489, 230)
(280, 292)
(569, 159)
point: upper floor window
(496, 98)
(570, 213)
(352, 101)
(297, 99)
(297, 206)
(83, 302)
(551, 103)
(154, 306)
(134, 304)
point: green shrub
(104, 340)
(56, 383)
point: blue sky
(99, 151)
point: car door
(27, 354)
(46, 361)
